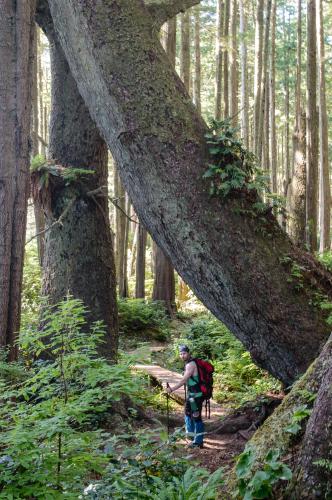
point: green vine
(234, 170)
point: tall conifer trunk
(78, 252)
(16, 60)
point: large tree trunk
(16, 50)
(78, 252)
(310, 480)
(240, 268)
(273, 131)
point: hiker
(194, 398)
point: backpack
(205, 374)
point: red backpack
(205, 374)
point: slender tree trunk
(324, 174)
(120, 234)
(197, 79)
(312, 130)
(244, 78)
(258, 72)
(164, 282)
(266, 128)
(226, 58)
(287, 174)
(140, 262)
(38, 212)
(78, 252)
(263, 89)
(219, 57)
(16, 58)
(240, 274)
(296, 195)
(233, 104)
(170, 40)
(185, 50)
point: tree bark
(16, 57)
(324, 173)
(78, 253)
(120, 234)
(164, 282)
(312, 130)
(197, 75)
(244, 78)
(140, 262)
(296, 194)
(219, 57)
(157, 138)
(226, 59)
(309, 481)
(312, 480)
(233, 102)
(273, 132)
(185, 50)
(258, 73)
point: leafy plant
(259, 483)
(49, 437)
(233, 169)
(151, 469)
(137, 316)
(301, 413)
(31, 288)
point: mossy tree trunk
(312, 442)
(242, 270)
(78, 252)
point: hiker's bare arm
(189, 371)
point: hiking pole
(167, 409)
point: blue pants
(194, 424)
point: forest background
(241, 62)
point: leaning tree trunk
(78, 251)
(16, 50)
(240, 269)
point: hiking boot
(195, 445)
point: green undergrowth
(69, 423)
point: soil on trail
(220, 449)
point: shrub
(151, 469)
(137, 316)
(48, 445)
(30, 288)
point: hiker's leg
(199, 429)
(190, 426)
(198, 423)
